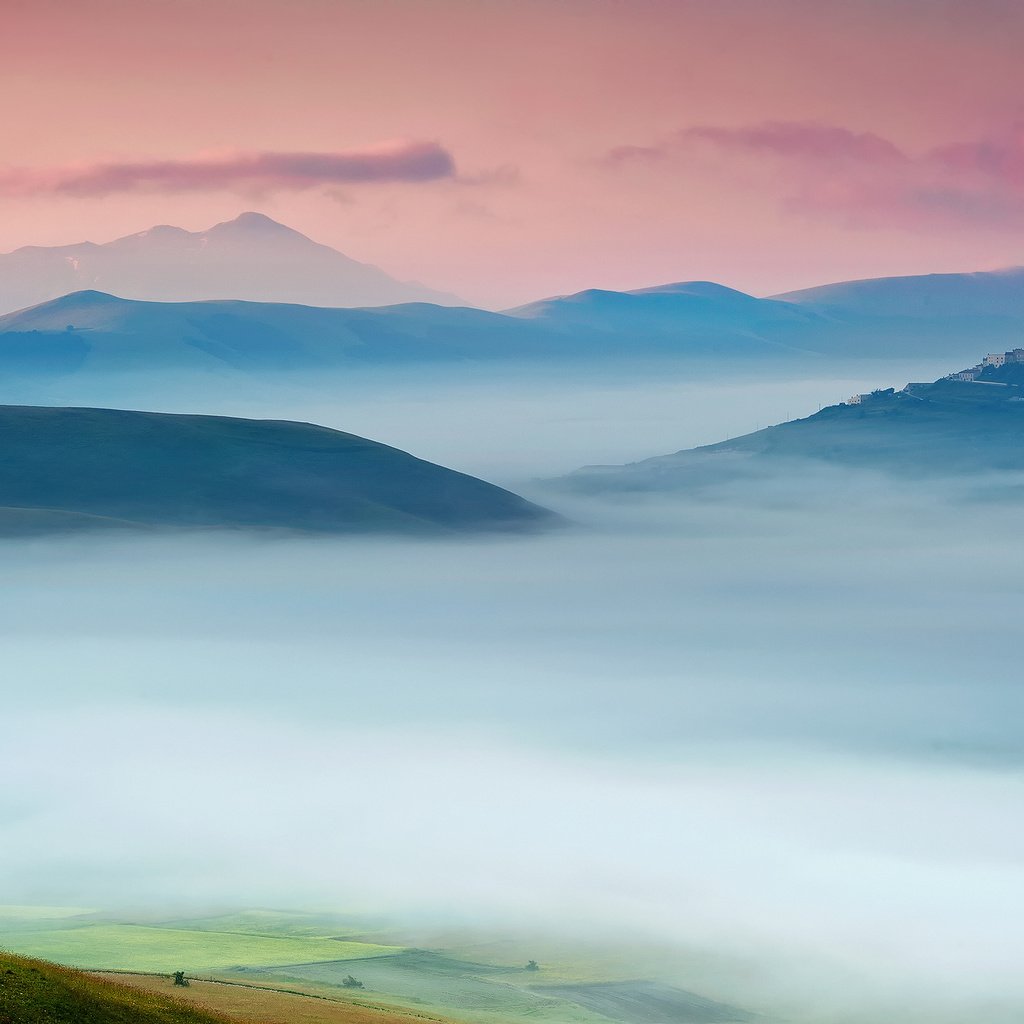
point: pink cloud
(1000, 158)
(624, 154)
(403, 161)
(801, 140)
(864, 179)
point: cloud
(624, 154)
(860, 177)
(802, 140)
(269, 171)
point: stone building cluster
(994, 359)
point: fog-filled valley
(771, 730)
(508, 422)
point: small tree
(532, 965)
(180, 979)
(351, 982)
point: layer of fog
(778, 728)
(506, 422)
(792, 738)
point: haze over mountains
(253, 294)
(93, 331)
(992, 293)
(251, 257)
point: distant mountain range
(254, 294)
(251, 257)
(94, 331)
(950, 427)
(67, 469)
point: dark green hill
(946, 428)
(67, 468)
(36, 992)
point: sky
(508, 151)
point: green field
(436, 984)
(460, 976)
(15, 915)
(129, 947)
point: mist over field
(508, 422)
(775, 727)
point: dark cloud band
(401, 162)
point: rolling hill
(699, 316)
(995, 293)
(90, 468)
(948, 428)
(93, 331)
(950, 316)
(251, 257)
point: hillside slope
(946, 428)
(67, 468)
(36, 992)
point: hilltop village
(988, 367)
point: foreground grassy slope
(64, 468)
(35, 992)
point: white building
(994, 359)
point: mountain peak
(252, 223)
(85, 297)
(252, 257)
(697, 289)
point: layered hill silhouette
(95, 331)
(948, 315)
(994, 293)
(951, 428)
(251, 257)
(66, 469)
(698, 316)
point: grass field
(478, 978)
(261, 1005)
(437, 985)
(131, 947)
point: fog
(508, 422)
(774, 729)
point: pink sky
(511, 150)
